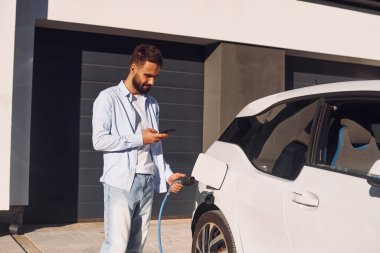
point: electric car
(297, 171)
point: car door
(260, 213)
(330, 207)
(277, 152)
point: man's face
(144, 76)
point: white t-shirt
(144, 158)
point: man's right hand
(151, 136)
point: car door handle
(308, 199)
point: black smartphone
(168, 131)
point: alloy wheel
(211, 239)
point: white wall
(7, 31)
(287, 24)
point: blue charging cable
(186, 181)
(159, 220)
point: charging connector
(185, 181)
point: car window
(350, 137)
(277, 140)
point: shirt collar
(126, 93)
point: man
(125, 128)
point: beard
(142, 88)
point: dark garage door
(70, 69)
(303, 72)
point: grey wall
(26, 15)
(234, 76)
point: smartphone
(168, 131)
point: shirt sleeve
(102, 137)
(168, 171)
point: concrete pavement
(88, 237)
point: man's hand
(175, 187)
(151, 136)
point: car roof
(261, 104)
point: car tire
(212, 234)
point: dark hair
(146, 52)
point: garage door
(302, 72)
(70, 69)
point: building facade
(219, 55)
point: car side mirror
(373, 176)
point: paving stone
(9, 245)
(88, 237)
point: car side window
(350, 137)
(277, 140)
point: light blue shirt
(114, 133)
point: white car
(298, 171)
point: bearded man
(125, 127)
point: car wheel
(212, 234)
